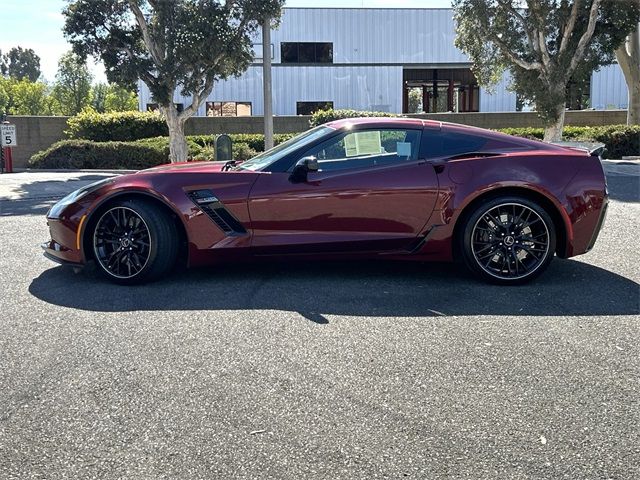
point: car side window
(367, 149)
(436, 144)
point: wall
(608, 88)
(35, 134)
(356, 87)
(38, 133)
(583, 118)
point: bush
(242, 151)
(324, 116)
(115, 126)
(81, 154)
(528, 132)
(619, 140)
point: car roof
(382, 121)
(446, 126)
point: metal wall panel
(358, 87)
(370, 48)
(608, 88)
(500, 99)
(417, 36)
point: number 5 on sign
(8, 135)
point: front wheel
(509, 240)
(134, 241)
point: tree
(4, 96)
(120, 99)
(628, 55)
(415, 100)
(543, 44)
(21, 63)
(98, 97)
(112, 98)
(72, 89)
(24, 97)
(182, 44)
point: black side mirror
(303, 167)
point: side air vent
(206, 201)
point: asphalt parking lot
(361, 370)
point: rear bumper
(600, 224)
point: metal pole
(266, 75)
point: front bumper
(64, 246)
(59, 254)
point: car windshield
(280, 151)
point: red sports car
(402, 189)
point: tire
(508, 240)
(134, 242)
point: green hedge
(619, 140)
(116, 126)
(324, 116)
(140, 154)
(79, 154)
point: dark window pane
(324, 52)
(306, 53)
(441, 144)
(289, 52)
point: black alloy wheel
(134, 241)
(509, 240)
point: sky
(37, 24)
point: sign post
(8, 140)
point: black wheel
(134, 242)
(509, 240)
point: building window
(309, 108)
(228, 109)
(306, 52)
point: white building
(393, 60)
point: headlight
(75, 196)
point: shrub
(81, 154)
(528, 132)
(619, 140)
(242, 151)
(115, 126)
(324, 116)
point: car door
(372, 192)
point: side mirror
(303, 167)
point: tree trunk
(553, 131)
(178, 149)
(628, 56)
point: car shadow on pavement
(381, 289)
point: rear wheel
(509, 240)
(134, 242)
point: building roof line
(368, 8)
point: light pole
(266, 83)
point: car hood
(186, 167)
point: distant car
(382, 188)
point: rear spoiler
(593, 149)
